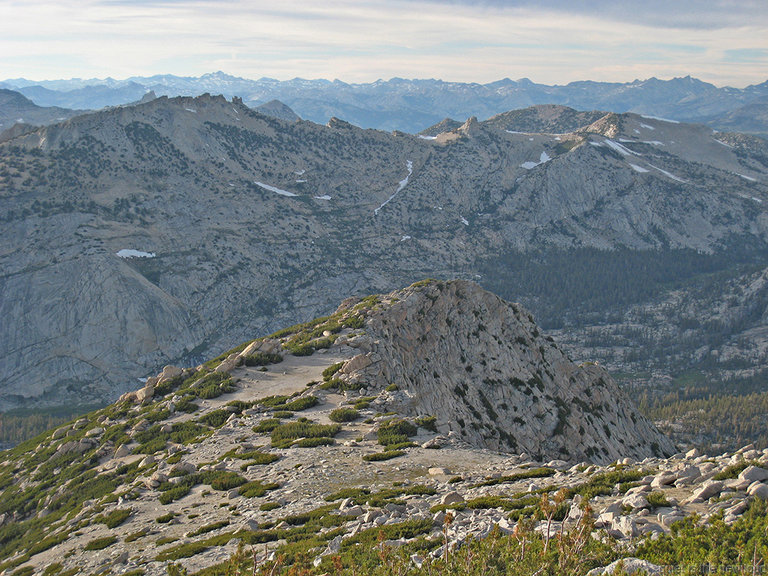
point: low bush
(380, 456)
(314, 442)
(344, 415)
(262, 359)
(256, 489)
(100, 543)
(303, 429)
(215, 419)
(427, 422)
(331, 370)
(114, 518)
(395, 431)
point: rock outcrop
(484, 369)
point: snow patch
(323, 197)
(531, 165)
(404, 238)
(129, 253)
(748, 177)
(515, 132)
(191, 110)
(659, 119)
(300, 181)
(757, 200)
(274, 189)
(667, 174)
(646, 126)
(402, 184)
(723, 143)
(653, 142)
(637, 168)
(300, 172)
(427, 138)
(621, 149)
(464, 221)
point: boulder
(359, 362)
(635, 501)
(754, 474)
(145, 393)
(758, 490)
(708, 490)
(451, 498)
(663, 479)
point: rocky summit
(381, 417)
(156, 234)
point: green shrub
(657, 499)
(300, 404)
(379, 456)
(303, 429)
(267, 425)
(344, 415)
(395, 431)
(216, 418)
(314, 442)
(734, 470)
(267, 506)
(392, 388)
(331, 370)
(114, 518)
(354, 322)
(262, 359)
(100, 543)
(165, 518)
(301, 350)
(282, 414)
(187, 406)
(255, 457)
(427, 422)
(525, 475)
(222, 479)
(256, 489)
(209, 528)
(136, 535)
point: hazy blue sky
(725, 43)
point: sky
(551, 42)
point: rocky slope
(154, 234)
(309, 452)
(16, 109)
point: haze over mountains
(168, 231)
(412, 105)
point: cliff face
(483, 368)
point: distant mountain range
(413, 105)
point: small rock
(630, 566)
(451, 498)
(93, 432)
(438, 472)
(635, 501)
(709, 489)
(663, 479)
(122, 451)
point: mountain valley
(167, 231)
